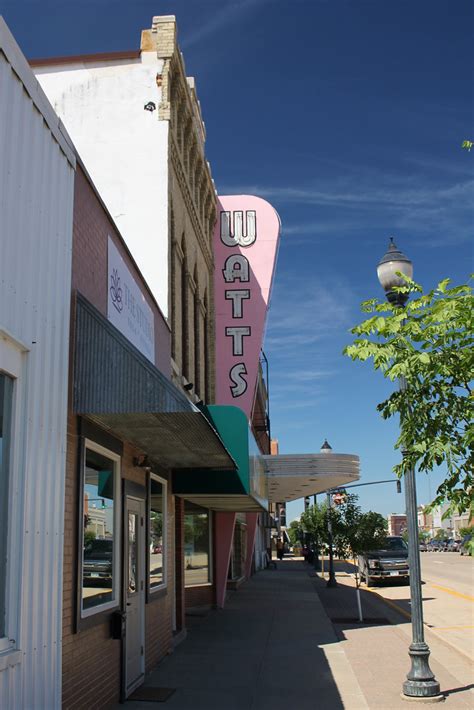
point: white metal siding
(36, 201)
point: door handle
(129, 604)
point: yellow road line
(447, 628)
(453, 592)
(448, 590)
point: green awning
(243, 489)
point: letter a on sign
(245, 249)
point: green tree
(353, 532)
(314, 521)
(430, 343)
(295, 532)
(423, 535)
(89, 536)
(463, 532)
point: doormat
(366, 620)
(147, 692)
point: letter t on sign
(237, 334)
(237, 297)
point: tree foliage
(428, 343)
(295, 532)
(353, 532)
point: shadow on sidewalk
(266, 650)
(342, 606)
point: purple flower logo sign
(116, 291)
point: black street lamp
(421, 682)
(327, 449)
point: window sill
(196, 586)
(10, 658)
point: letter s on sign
(240, 384)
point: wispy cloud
(309, 375)
(364, 195)
(304, 313)
(441, 209)
(223, 17)
(320, 228)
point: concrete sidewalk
(271, 648)
(377, 648)
(274, 647)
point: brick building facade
(145, 571)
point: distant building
(434, 521)
(397, 523)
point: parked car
(464, 548)
(390, 562)
(452, 546)
(423, 546)
(97, 565)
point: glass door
(135, 592)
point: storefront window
(100, 573)
(197, 568)
(239, 549)
(157, 568)
(6, 391)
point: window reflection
(98, 569)
(132, 553)
(196, 545)
(157, 533)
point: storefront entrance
(135, 541)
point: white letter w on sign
(238, 237)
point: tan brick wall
(198, 274)
(199, 596)
(192, 205)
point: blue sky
(348, 116)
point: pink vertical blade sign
(246, 240)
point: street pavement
(285, 641)
(448, 600)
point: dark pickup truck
(391, 562)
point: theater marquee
(245, 247)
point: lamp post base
(421, 683)
(416, 699)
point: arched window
(173, 286)
(184, 317)
(197, 341)
(206, 344)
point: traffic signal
(307, 502)
(283, 515)
(399, 486)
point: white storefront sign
(127, 308)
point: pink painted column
(252, 520)
(224, 536)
